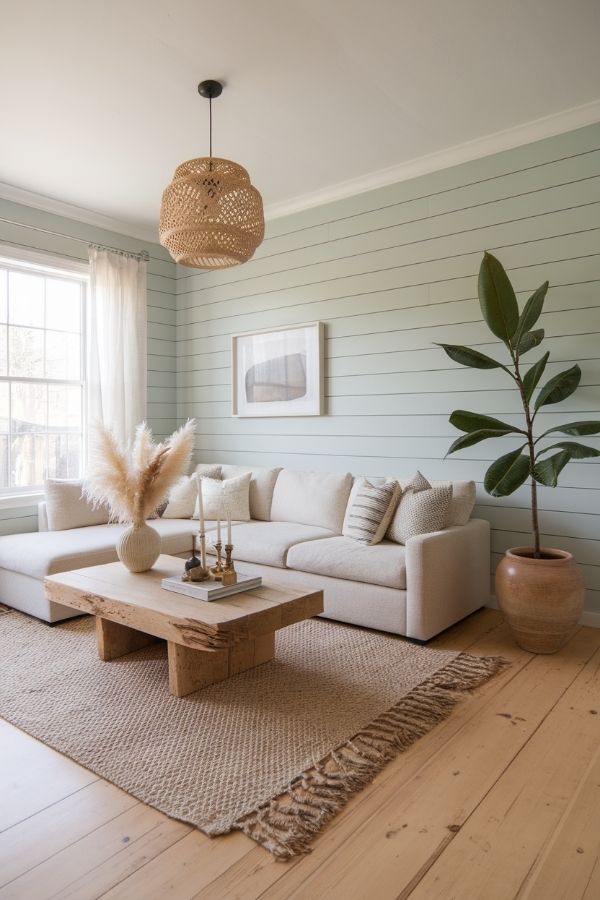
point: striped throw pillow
(372, 507)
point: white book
(210, 590)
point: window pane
(4, 461)
(26, 299)
(25, 352)
(3, 407)
(3, 295)
(28, 411)
(28, 460)
(63, 305)
(64, 408)
(64, 456)
(3, 350)
(63, 355)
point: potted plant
(539, 589)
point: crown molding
(69, 211)
(549, 126)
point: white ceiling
(98, 101)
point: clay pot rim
(552, 556)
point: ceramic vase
(542, 599)
(138, 548)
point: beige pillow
(205, 470)
(68, 507)
(370, 509)
(422, 509)
(208, 470)
(182, 499)
(230, 496)
(464, 496)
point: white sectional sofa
(294, 537)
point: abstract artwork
(278, 372)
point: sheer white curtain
(117, 315)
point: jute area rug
(274, 752)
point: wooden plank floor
(500, 801)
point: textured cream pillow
(370, 509)
(422, 509)
(182, 499)
(230, 496)
(205, 470)
(68, 507)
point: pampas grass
(133, 482)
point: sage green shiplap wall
(391, 272)
(59, 236)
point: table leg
(115, 640)
(191, 669)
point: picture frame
(278, 371)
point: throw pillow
(206, 470)
(464, 496)
(182, 499)
(370, 511)
(68, 507)
(422, 509)
(228, 497)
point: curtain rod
(142, 254)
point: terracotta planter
(138, 548)
(542, 599)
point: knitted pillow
(370, 510)
(422, 509)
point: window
(42, 374)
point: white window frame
(61, 267)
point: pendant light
(211, 216)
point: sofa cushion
(341, 557)
(311, 498)
(182, 499)
(38, 554)
(68, 507)
(262, 484)
(267, 543)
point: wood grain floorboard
(500, 801)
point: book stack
(210, 590)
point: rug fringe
(287, 824)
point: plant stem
(535, 527)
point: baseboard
(588, 617)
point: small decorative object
(133, 482)
(211, 216)
(540, 590)
(279, 372)
(194, 568)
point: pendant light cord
(210, 126)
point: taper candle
(229, 528)
(200, 503)
(219, 531)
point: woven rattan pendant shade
(211, 216)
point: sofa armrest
(447, 577)
(42, 517)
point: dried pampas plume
(133, 482)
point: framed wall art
(278, 372)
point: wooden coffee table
(206, 642)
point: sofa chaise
(294, 537)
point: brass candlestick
(223, 570)
(216, 571)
